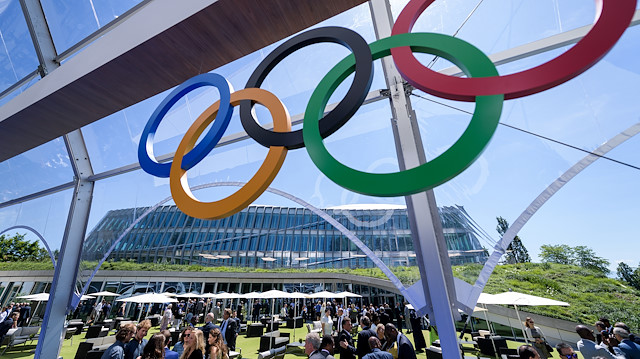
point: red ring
(613, 17)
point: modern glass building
(276, 237)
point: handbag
(549, 347)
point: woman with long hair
(217, 348)
(537, 337)
(154, 348)
(193, 344)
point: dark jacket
(350, 351)
(405, 348)
(363, 341)
(230, 333)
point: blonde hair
(197, 342)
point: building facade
(276, 237)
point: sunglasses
(571, 356)
(186, 335)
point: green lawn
(249, 346)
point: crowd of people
(12, 316)
(209, 341)
(607, 342)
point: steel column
(62, 286)
(426, 226)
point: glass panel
(72, 20)
(35, 170)
(17, 55)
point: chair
(486, 345)
(434, 352)
(505, 352)
(275, 353)
(274, 339)
(11, 340)
(96, 331)
(29, 333)
(69, 332)
(255, 330)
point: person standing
(134, 348)
(537, 337)
(168, 354)
(588, 347)
(405, 348)
(347, 349)
(208, 326)
(124, 335)
(166, 318)
(217, 348)
(25, 314)
(312, 344)
(216, 312)
(327, 322)
(228, 329)
(398, 313)
(9, 323)
(630, 349)
(376, 352)
(363, 337)
(193, 344)
(407, 317)
(154, 348)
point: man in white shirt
(588, 347)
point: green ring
(428, 175)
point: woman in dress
(217, 348)
(193, 344)
(537, 337)
(166, 318)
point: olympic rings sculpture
(483, 85)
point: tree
(581, 256)
(628, 275)
(586, 258)
(16, 248)
(560, 254)
(516, 252)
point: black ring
(337, 117)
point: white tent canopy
(274, 293)
(252, 295)
(188, 295)
(39, 297)
(224, 296)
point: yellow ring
(239, 200)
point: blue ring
(146, 158)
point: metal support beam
(40, 35)
(66, 270)
(63, 286)
(426, 227)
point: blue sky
(598, 208)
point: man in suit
(376, 352)
(347, 349)
(405, 348)
(630, 349)
(208, 326)
(168, 354)
(25, 314)
(363, 337)
(228, 329)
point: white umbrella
(208, 295)
(516, 299)
(39, 297)
(324, 294)
(252, 295)
(274, 293)
(86, 297)
(188, 295)
(226, 296)
(347, 294)
(149, 298)
(169, 294)
(105, 294)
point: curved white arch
(368, 252)
(502, 245)
(46, 245)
